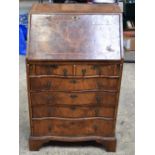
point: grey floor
(125, 123)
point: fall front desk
(74, 68)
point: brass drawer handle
(48, 85)
(32, 69)
(83, 72)
(72, 123)
(98, 100)
(73, 81)
(73, 108)
(65, 72)
(49, 128)
(94, 67)
(50, 68)
(73, 96)
(97, 68)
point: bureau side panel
(29, 98)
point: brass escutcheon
(73, 81)
(65, 72)
(75, 18)
(83, 72)
(73, 96)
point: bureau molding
(72, 139)
(76, 91)
(84, 77)
(108, 142)
(73, 119)
(77, 105)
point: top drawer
(51, 69)
(75, 69)
(97, 69)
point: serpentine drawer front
(73, 84)
(72, 111)
(76, 128)
(78, 98)
(74, 68)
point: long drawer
(81, 127)
(73, 84)
(72, 111)
(67, 98)
(76, 69)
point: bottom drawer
(72, 111)
(79, 127)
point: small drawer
(98, 69)
(52, 69)
(73, 84)
(62, 127)
(67, 98)
(72, 111)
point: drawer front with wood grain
(72, 111)
(75, 69)
(98, 69)
(66, 98)
(63, 127)
(73, 84)
(54, 69)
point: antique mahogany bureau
(74, 68)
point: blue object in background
(22, 39)
(23, 22)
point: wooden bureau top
(75, 32)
